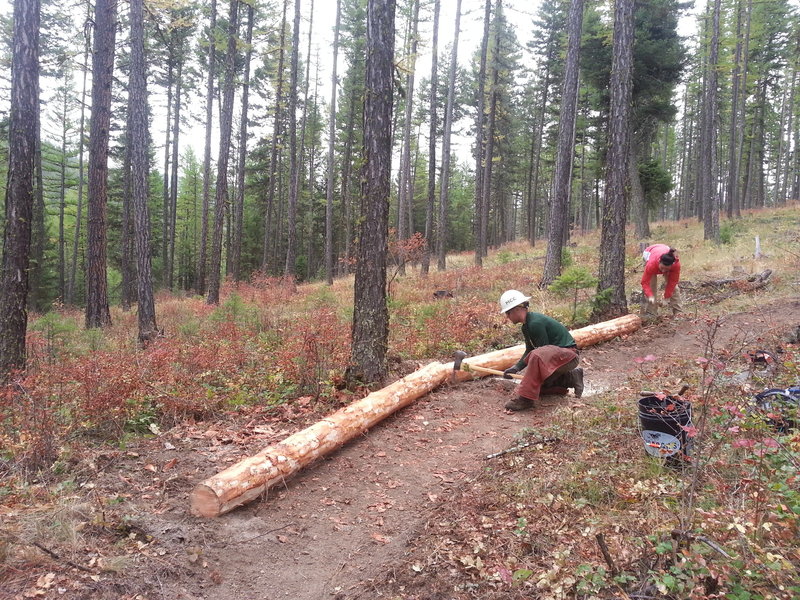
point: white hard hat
(510, 299)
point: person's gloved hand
(510, 371)
(651, 299)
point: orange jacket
(651, 270)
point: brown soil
(341, 525)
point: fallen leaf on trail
(283, 539)
(169, 464)
(45, 581)
(152, 468)
(380, 538)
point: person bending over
(660, 259)
(550, 360)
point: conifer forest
(175, 144)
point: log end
(203, 502)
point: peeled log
(585, 336)
(249, 478)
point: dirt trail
(344, 521)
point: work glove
(509, 372)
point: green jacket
(541, 330)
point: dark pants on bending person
(547, 370)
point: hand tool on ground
(522, 446)
(459, 357)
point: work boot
(577, 381)
(519, 403)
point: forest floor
(363, 522)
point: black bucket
(662, 422)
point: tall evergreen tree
(370, 312)
(238, 205)
(105, 26)
(290, 269)
(138, 139)
(202, 257)
(547, 43)
(441, 230)
(19, 186)
(275, 142)
(331, 175)
(559, 208)
(611, 280)
(433, 117)
(708, 139)
(480, 147)
(226, 124)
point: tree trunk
(783, 163)
(294, 168)
(346, 183)
(480, 140)
(488, 159)
(790, 128)
(225, 121)
(312, 268)
(165, 206)
(173, 186)
(406, 191)
(238, 212)
(73, 272)
(62, 201)
(202, 258)
(642, 224)
(431, 196)
(127, 268)
(441, 238)
(612, 236)
(559, 212)
(734, 156)
(38, 233)
(105, 27)
(534, 202)
(277, 131)
(370, 313)
(19, 186)
(331, 179)
(138, 136)
(251, 477)
(709, 189)
(310, 212)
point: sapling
(571, 281)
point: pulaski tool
(458, 359)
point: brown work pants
(546, 366)
(648, 310)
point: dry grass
(525, 527)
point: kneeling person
(551, 354)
